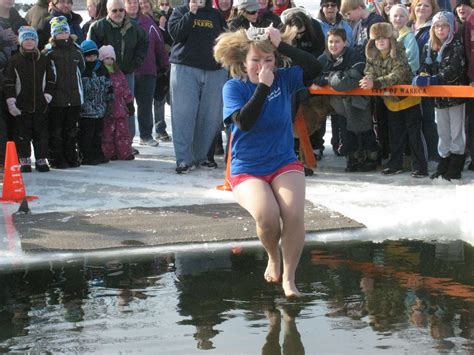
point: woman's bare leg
(289, 190)
(256, 196)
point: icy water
(359, 297)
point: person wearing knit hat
(106, 52)
(65, 108)
(116, 138)
(30, 70)
(27, 34)
(59, 27)
(443, 63)
(88, 48)
(98, 103)
(399, 17)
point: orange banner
(402, 90)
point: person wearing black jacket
(195, 106)
(27, 71)
(68, 62)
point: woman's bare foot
(273, 271)
(290, 290)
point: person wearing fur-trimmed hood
(443, 62)
(387, 65)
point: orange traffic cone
(306, 151)
(13, 186)
(227, 186)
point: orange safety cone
(13, 186)
(306, 150)
(227, 186)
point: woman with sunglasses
(244, 13)
(330, 17)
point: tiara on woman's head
(256, 33)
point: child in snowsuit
(116, 139)
(29, 87)
(387, 65)
(65, 107)
(443, 63)
(98, 96)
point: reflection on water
(362, 297)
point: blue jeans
(144, 91)
(196, 110)
(131, 119)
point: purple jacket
(156, 49)
(122, 95)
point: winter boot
(455, 167)
(370, 163)
(352, 163)
(25, 165)
(442, 167)
(41, 165)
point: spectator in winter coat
(97, 9)
(29, 87)
(10, 19)
(116, 140)
(469, 46)
(443, 63)
(224, 6)
(37, 14)
(7, 46)
(266, 15)
(194, 28)
(310, 38)
(74, 20)
(129, 40)
(161, 14)
(387, 65)
(343, 68)
(356, 11)
(399, 19)
(65, 107)
(329, 17)
(281, 5)
(98, 101)
(462, 11)
(145, 75)
(422, 11)
(162, 82)
(244, 14)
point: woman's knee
(268, 220)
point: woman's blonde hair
(232, 47)
(434, 6)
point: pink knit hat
(106, 52)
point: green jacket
(129, 40)
(392, 70)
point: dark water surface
(359, 298)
